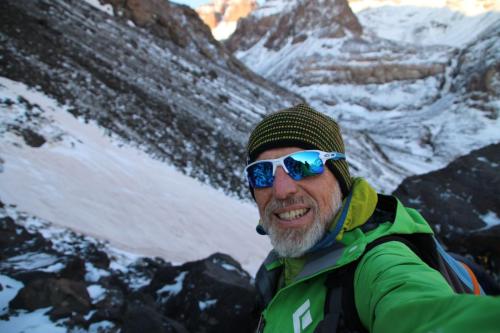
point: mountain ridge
(390, 97)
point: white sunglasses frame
(323, 155)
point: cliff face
(278, 23)
(151, 73)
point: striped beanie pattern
(303, 127)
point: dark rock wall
(457, 199)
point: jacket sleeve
(395, 291)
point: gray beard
(293, 243)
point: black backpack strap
(266, 282)
(341, 315)
(333, 311)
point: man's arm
(395, 291)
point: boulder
(66, 297)
(74, 269)
(462, 204)
(15, 239)
(32, 138)
(139, 318)
(212, 295)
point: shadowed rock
(64, 296)
(461, 202)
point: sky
(192, 3)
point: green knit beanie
(303, 127)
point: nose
(283, 186)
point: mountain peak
(222, 15)
(280, 22)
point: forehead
(277, 152)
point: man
(321, 221)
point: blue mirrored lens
(260, 175)
(304, 164)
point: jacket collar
(356, 209)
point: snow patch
(102, 326)
(228, 267)
(94, 274)
(223, 30)
(34, 322)
(485, 160)
(96, 292)
(34, 261)
(491, 219)
(415, 201)
(203, 305)
(107, 8)
(9, 289)
(173, 289)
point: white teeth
(292, 214)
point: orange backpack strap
(475, 283)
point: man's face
(296, 214)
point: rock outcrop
(322, 19)
(477, 75)
(462, 204)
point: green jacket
(395, 291)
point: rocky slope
(461, 202)
(152, 73)
(85, 285)
(403, 107)
(222, 16)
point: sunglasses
(298, 165)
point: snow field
(93, 184)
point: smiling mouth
(292, 214)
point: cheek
(321, 193)
(262, 198)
